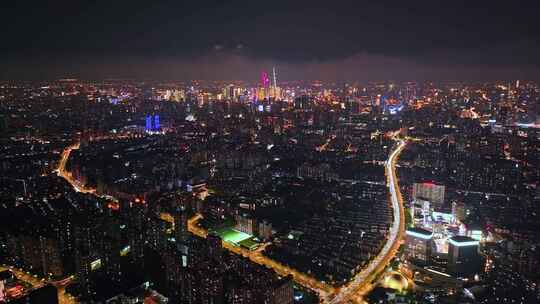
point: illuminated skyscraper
(83, 268)
(383, 104)
(157, 233)
(181, 232)
(156, 123)
(418, 245)
(136, 230)
(463, 257)
(431, 192)
(265, 81)
(148, 125)
(111, 258)
(275, 77)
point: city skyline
(278, 152)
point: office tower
(83, 268)
(156, 233)
(177, 275)
(246, 223)
(459, 211)
(418, 245)
(282, 291)
(214, 247)
(157, 125)
(136, 231)
(265, 230)
(30, 252)
(383, 104)
(431, 192)
(210, 280)
(420, 212)
(463, 256)
(2, 291)
(111, 258)
(240, 295)
(51, 257)
(148, 123)
(181, 233)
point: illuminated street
(324, 290)
(360, 285)
(246, 153)
(67, 175)
(362, 282)
(36, 282)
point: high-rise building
(83, 269)
(246, 223)
(463, 256)
(282, 292)
(431, 192)
(111, 258)
(157, 233)
(181, 233)
(265, 230)
(148, 123)
(214, 247)
(2, 291)
(157, 124)
(178, 277)
(210, 280)
(51, 257)
(136, 231)
(418, 245)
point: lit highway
(36, 282)
(63, 297)
(67, 175)
(354, 291)
(362, 282)
(324, 290)
(256, 256)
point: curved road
(361, 283)
(67, 175)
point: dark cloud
(381, 39)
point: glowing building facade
(418, 245)
(463, 256)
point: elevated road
(352, 292)
(61, 171)
(362, 282)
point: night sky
(328, 40)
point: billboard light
(419, 235)
(463, 244)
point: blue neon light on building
(148, 126)
(156, 122)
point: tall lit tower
(156, 122)
(275, 78)
(148, 125)
(265, 81)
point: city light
(419, 235)
(463, 244)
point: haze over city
(217, 40)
